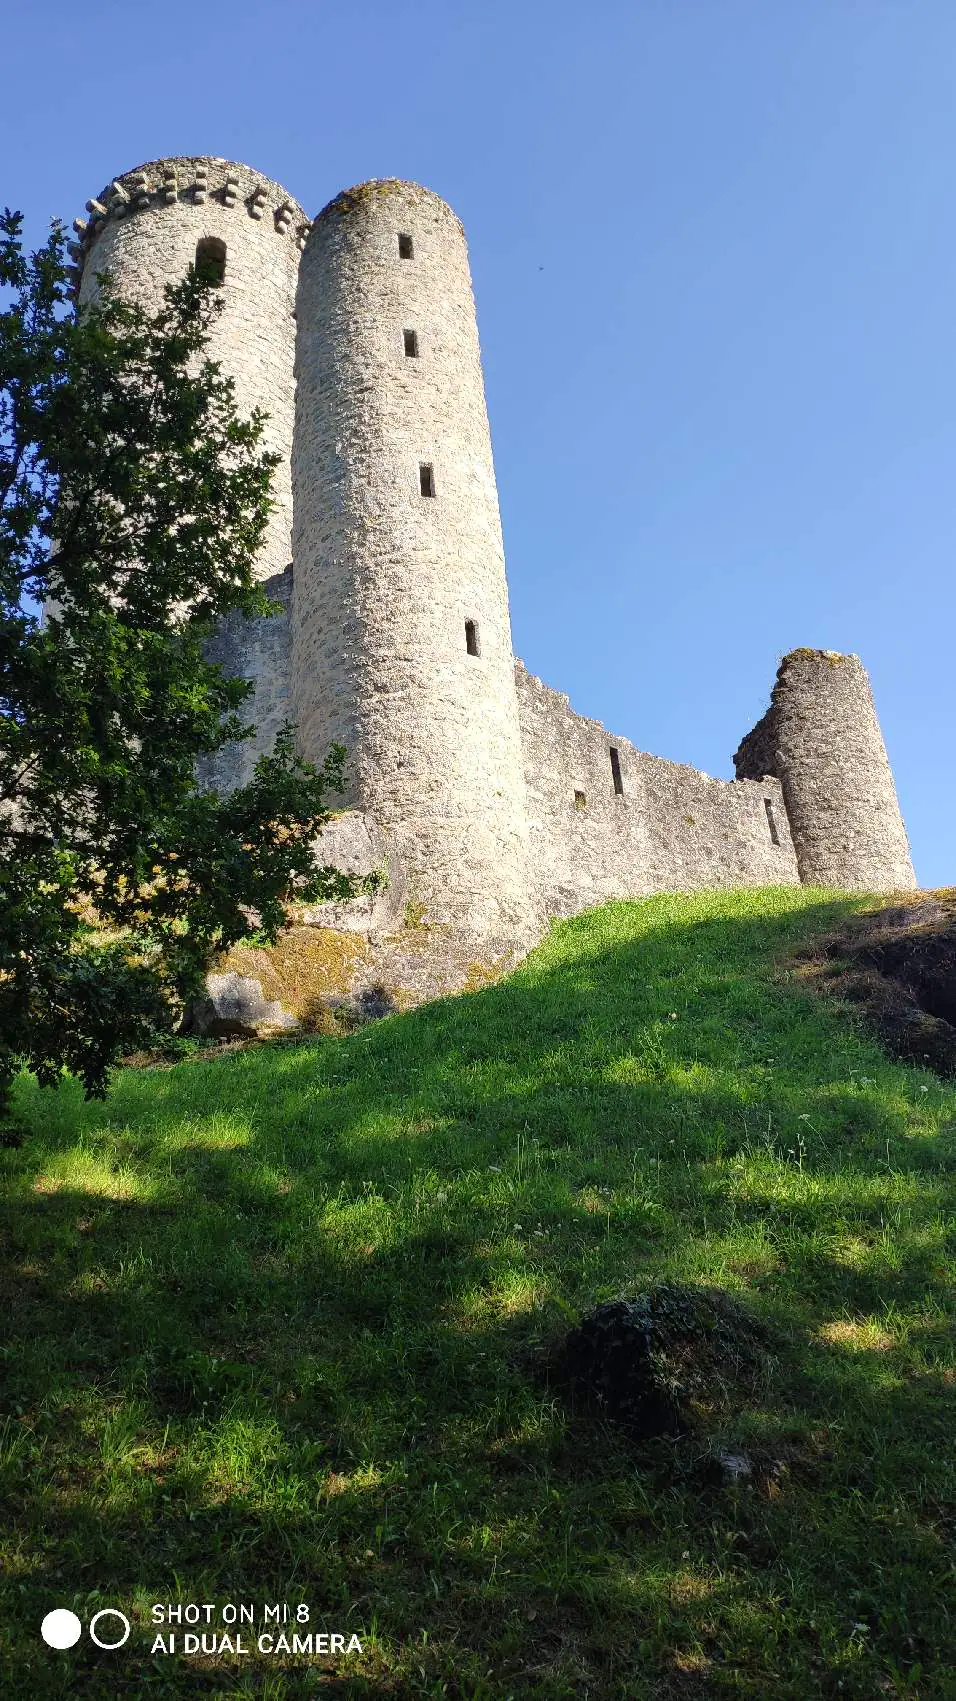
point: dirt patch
(897, 964)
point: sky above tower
(713, 252)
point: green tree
(134, 500)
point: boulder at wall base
(235, 1005)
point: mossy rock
(658, 1363)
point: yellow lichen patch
(865, 1336)
(304, 969)
(479, 975)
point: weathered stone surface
(822, 740)
(257, 650)
(234, 1004)
(388, 577)
(669, 828)
(354, 843)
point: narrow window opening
(426, 478)
(405, 249)
(411, 344)
(471, 638)
(580, 801)
(616, 772)
(211, 259)
(771, 821)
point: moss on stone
(305, 969)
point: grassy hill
(273, 1326)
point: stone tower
(146, 229)
(822, 740)
(401, 631)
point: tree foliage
(133, 501)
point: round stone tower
(401, 634)
(822, 740)
(146, 228)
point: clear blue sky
(714, 250)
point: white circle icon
(109, 1612)
(61, 1628)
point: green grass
(271, 1326)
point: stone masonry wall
(387, 575)
(821, 737)
(259, 650)
(669, 829)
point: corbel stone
(96, 207)
(77, 251)
(141, 189)
(119, 199)
(284, 216)
(230, 194)
(257, 203)
(81, 227)
(201, 184)
(170, 184)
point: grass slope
(268, 1323)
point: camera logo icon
(62, 1629)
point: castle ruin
(491, 803)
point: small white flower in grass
(924, 1089)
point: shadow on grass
(272, 1325)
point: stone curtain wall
(386, 575)
(670, 829)
(260, 650)
(821, 737)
